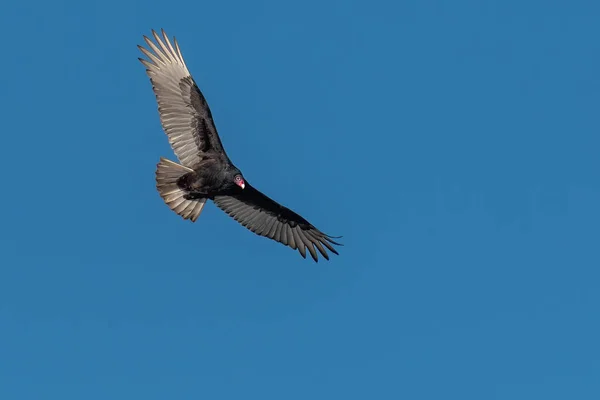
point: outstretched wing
(184, 112)
(266, 217)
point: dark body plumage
(206, 172)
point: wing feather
(267, 218)
(184, 112)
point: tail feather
(167, 174)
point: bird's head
(238, 179)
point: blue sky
(454, 145)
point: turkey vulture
(205, 171)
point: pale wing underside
(184, 124)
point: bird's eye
(238, 178)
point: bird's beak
(242, 185)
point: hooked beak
(241, 183)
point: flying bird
(204, 171)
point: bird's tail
(167, 175)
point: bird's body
(208, 179)
(206, 172)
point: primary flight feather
(205, 171)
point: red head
(239, 181)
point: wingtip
(164, 34)
(330, 240)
